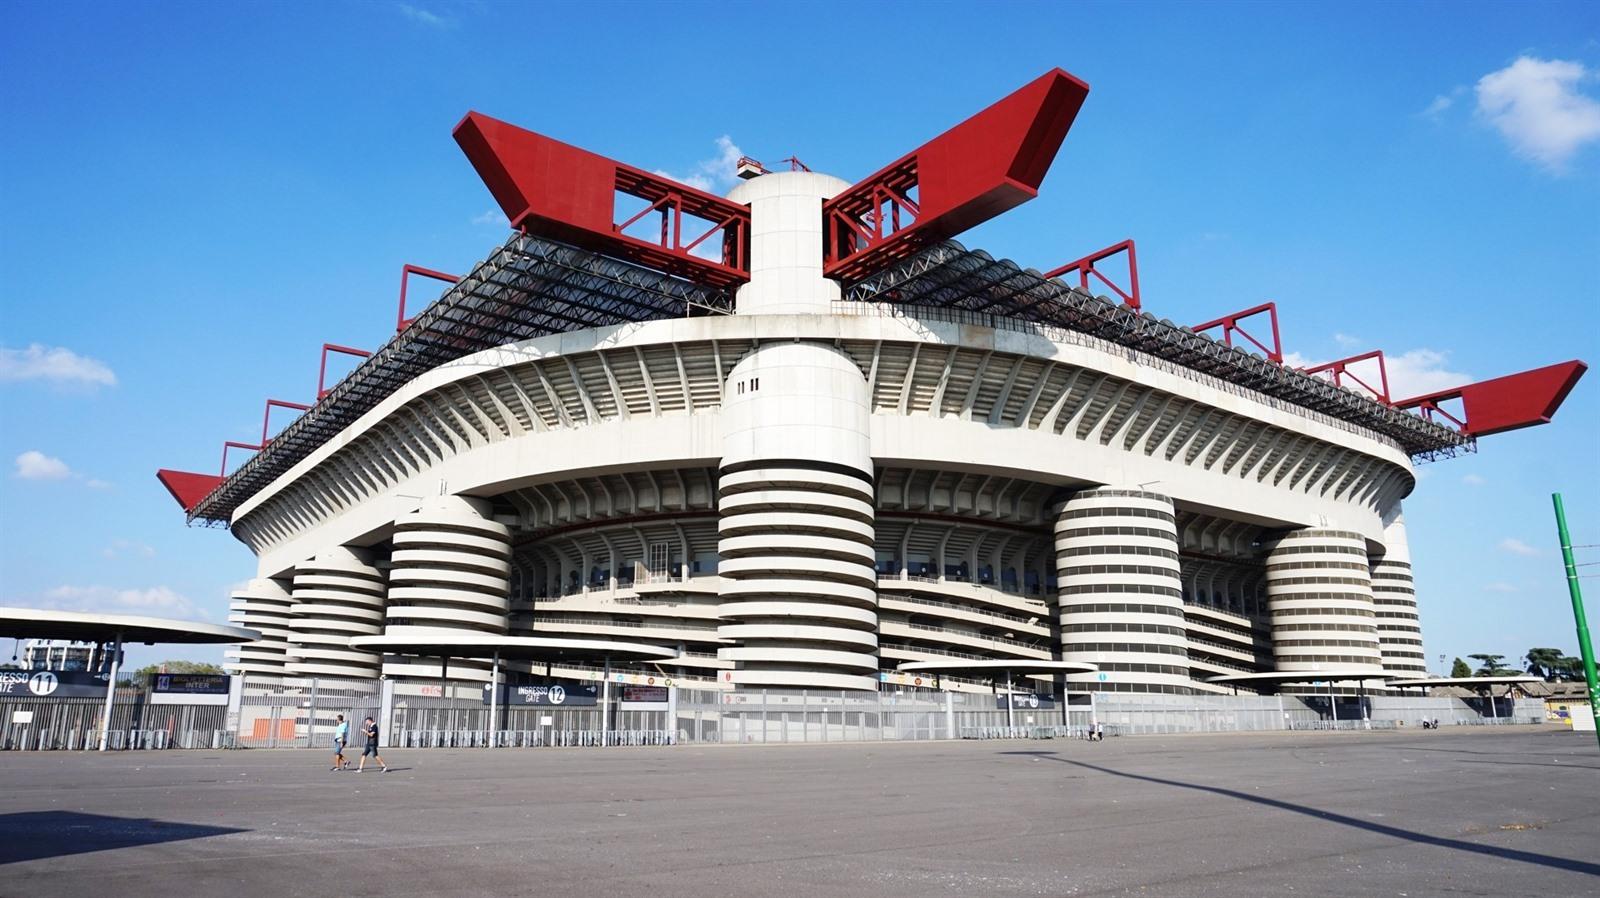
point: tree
(177, 667)
(1543, 662)
(1491, 666)
(1460, 669)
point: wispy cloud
(1516, 547)
(158, 600)
(1346, 341)
(1499, 586)
(128, 547)
(1537, 106)
(424, 17)
(35, 465)
(1473, 480)
(1443, 102)
(713, 174)
(1411, 373)
(490, 217)
(55, 365)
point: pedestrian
(369, 729)
(341, 735)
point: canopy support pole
(605, 705)
(494, 701)
(111, 692)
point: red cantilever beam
(1340, 369)
(1504, 403)
(1230, 324)
(548, 187)
(982, 167)
(188, 487)
(1086, 266)
(266, 417)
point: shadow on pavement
(1510, 854)
(42, 834)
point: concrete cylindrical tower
(262, 605)
(1394, 596)
(1120, 594)
(1319, 597)
(450, 574)
(337, 595)
(795, 497)
(786, 244)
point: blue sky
(194, 197)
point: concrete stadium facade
(809, 492)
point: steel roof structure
(950, 276)
(529, 287)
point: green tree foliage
(1460, 669)
(178, 667)
(1491, 666)
(1544, 662)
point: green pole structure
(1585, 647)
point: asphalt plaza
(1470, 811)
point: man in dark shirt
(370, 730)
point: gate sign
(51, 684)
(644, 694)
(190, 684)
(1027, 701)
(563, 695)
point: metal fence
(301, 712)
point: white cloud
(96, 483)
(490, 217)
(1347, 341)
(1473, 480)
(715, 174)
(1537, 107)
(56, 365)
(424, 17)
(35, 465)
(1411, 373)
(1499, 586)
(1516, 547)
(1440, 104)
(161, 601)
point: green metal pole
(1585, 646)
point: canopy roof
(79, 626)
(1468, 681)
(525, 648)
(1336, 674)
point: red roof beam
(1340, 370)
(266, 416)
(406, 271)
(322, 369)
(992, 162)
(233, 444)
(188, 487)
(1086, 266)
(1525, 399)
(1230, 325)
(557, 190)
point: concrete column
(337, 595)
(1319, 598)
(1119, 593)
(799, 592)
(1394, 597)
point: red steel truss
(982, 167)
(188, 487)
(549, 188)
(1340, 370)
(1086, 266)
(1503, 403)
(406, 271)
(322, 369)
(1230, 325)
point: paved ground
(1458, 812)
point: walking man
(370, 730)
(341, 735)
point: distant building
(57, 654)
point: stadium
(795, 451)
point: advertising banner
(644, 693)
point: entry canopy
(511, 648)
(997, 666)
(1467, 681)
(79, 626)
(1334, 674)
